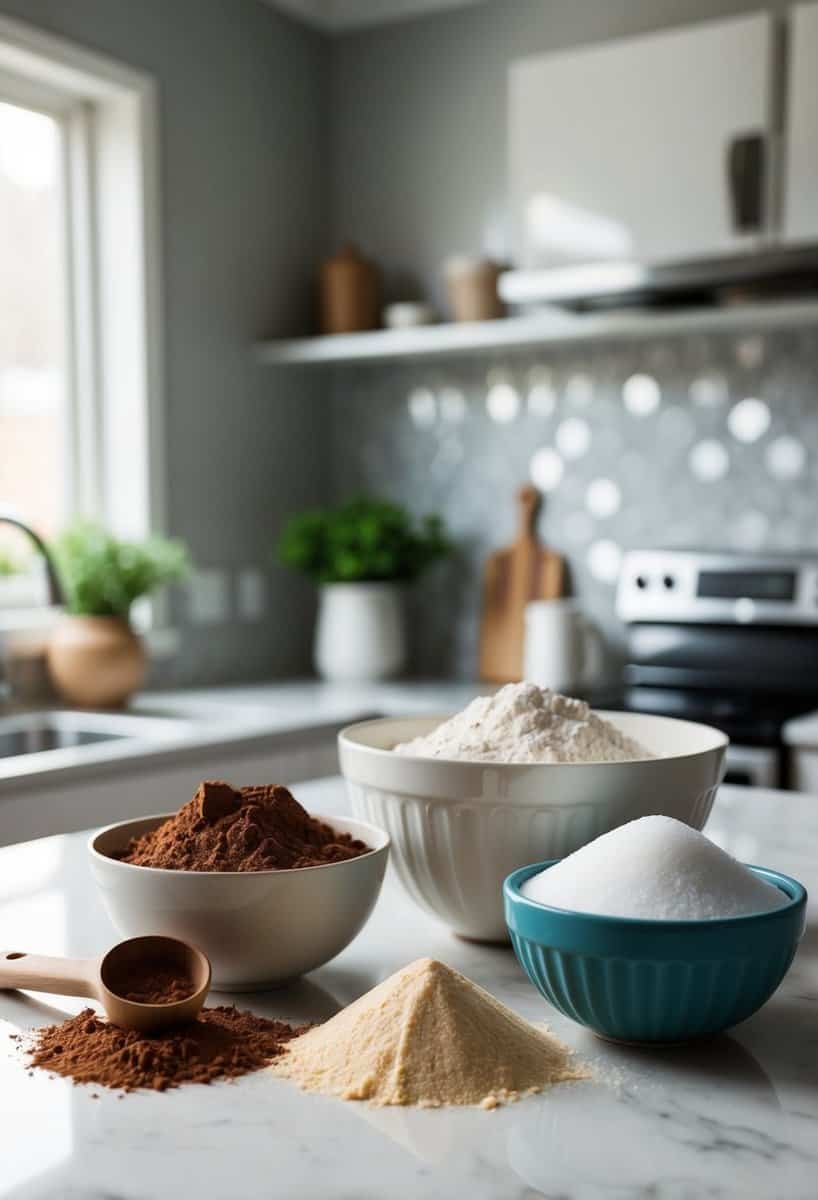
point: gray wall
(419, 121)
(244, 151)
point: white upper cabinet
(650, 148)
(800, 201)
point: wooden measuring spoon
(112, 977)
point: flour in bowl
(523, 723)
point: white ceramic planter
(360, 632)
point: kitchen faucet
(56, 597)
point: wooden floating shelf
(550, 328)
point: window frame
(108, 114)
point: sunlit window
(80, 306)
(33, 408)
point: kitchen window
(33, 456)
(34, 423)
(80, 302)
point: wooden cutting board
(524, 571)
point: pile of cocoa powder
(241, 829)
(222, 1043)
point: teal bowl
(654, 981)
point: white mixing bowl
(258, 928)
(458, 828)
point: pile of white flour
(524, 723)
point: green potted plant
(361, 555)
(94, 656)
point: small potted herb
(361, 555)
(95, 657)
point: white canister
(562, 648)
(360, 632)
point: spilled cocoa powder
(241, 829)
(222, 1043)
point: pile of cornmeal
(427, 1036)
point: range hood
(729, 279)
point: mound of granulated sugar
(427, 1036)
(525, 723)
(655, 868)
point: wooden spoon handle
(528, 506)
(40, 973)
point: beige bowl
(258, 928)
(458, 828)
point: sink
(53, 729)
(46, 735)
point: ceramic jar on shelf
(350, 292)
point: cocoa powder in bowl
(222, 1043)
(241, 829)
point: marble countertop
(211, 717)
(733, 1117)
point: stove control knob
(641, 582)
(669, 583)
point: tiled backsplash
(692, 441)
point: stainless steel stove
(728, 639)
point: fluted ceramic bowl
(459, 828)
(654, 981)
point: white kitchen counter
(230, 717)
(733, 1117)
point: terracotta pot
(96, 662)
